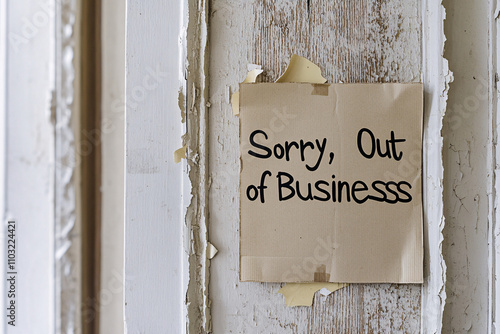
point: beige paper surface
(337, 231)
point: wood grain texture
(352, 41)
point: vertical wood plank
(352, 41)
(29, 138)
(436, 78)
(154, 219)
(467, 155)
(494, 302)
(113, 152)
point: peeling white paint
(29, 195)
(436, 78)
(67, 162)
(198, 303)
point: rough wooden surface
(352, 41)
(468, 132)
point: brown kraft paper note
(330, 183)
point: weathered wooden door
(198, 204)
(352, 41)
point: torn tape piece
(211, 251)
(301, 69)
(253, 73)
(301, 294)
(180, 154)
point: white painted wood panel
(436, 78)
(113, 152)
(38, 105)
(29, 83)
(154, 215)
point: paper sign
(330, 183)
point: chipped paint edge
(64, 117)
(436, 78)
(197, 299)
(493, 188)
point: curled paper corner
(211, 251)
(180, 154)
(253, 73)
(302, 69)
(302, 294)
